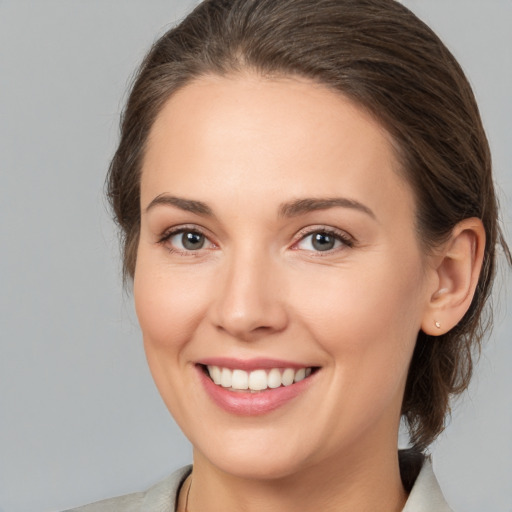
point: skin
(244, 146)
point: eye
(188, 240)
(185, 240)
(323, 241)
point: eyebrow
(188, 205)
(289, 209)
(301, 206)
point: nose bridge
(249, 300)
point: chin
(256, 466)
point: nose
(251, 298)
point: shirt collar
(426, 494)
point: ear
(456, 270)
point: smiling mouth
(256, 380)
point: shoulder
(161, 496)
(127, 503)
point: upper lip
(251, 364)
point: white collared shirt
(425, 496)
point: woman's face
(277, 242)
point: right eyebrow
(309, 204)
(187, 205)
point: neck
(342, 484)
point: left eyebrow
(188, 205)
(301, 206)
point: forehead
(292, 107)
(248, 132)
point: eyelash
(345, 239)
(167, 235)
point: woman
(305, 194)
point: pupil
(323, 241)
(192, 241)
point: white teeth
(288, 376)
(215, 374)
(257, 380)
(239, 380)
(225, 378)
(300, 375)
(274, 378)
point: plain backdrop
(80, 419)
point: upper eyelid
(174, 230)
(323, 229)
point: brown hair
(380, 55)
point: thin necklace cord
(188, 494)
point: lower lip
(251, 404)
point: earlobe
(458, 266)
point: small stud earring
(438, 324)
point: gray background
(80, 419)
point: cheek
(370, 311)
(169, 305)
(367, 324)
